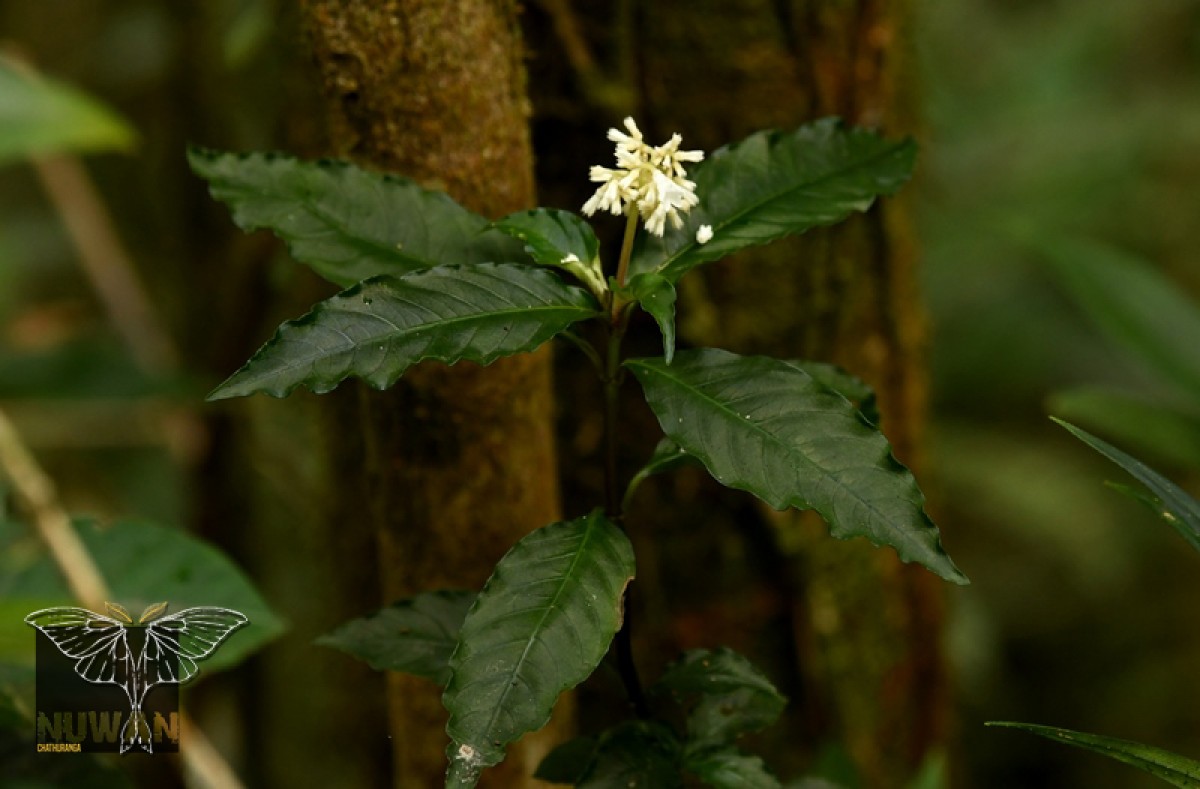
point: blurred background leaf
(39, 116)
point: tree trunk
(863, 630)
(458, 463)
(867, 628)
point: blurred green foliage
(1047, 122)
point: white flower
(650, 180)
(704, 234)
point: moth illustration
(101, 647)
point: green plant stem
(626, 666)
(626, 253)
(618, 323)
(588, 350)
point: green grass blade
(1177, 508)
(1170, 767)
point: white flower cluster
(650, 180)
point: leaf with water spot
(540, 626)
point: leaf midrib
(692, 244)
(410, 332)
(790, 451)
(550, 606)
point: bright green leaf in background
(1172, 768)
(40, 116)
(540, 626)
(145, 564)
(346, 223)
(1135, 305)
(772, 185)
(767, 427)
(415, 636)
(378, 329)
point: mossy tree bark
(459, 462)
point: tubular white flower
(704, 234)
(649, 180)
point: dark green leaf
(1134, 304)
(667, 456)
(848, 386)
(767, 427)
(1172, 768)
(146, 564)
(550, 235)
(727, 695)
(415, 636)
(41, 116)
(1139, 494)
(772, 185)
(380, 328)
(730, 768)
(638, 754)
(656, 295)
(1176, 507)
(567, 763)
(1145, 425)
(540, 626)
(346, 223)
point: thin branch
(103, 257)
(36, 492)
(106, 262)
